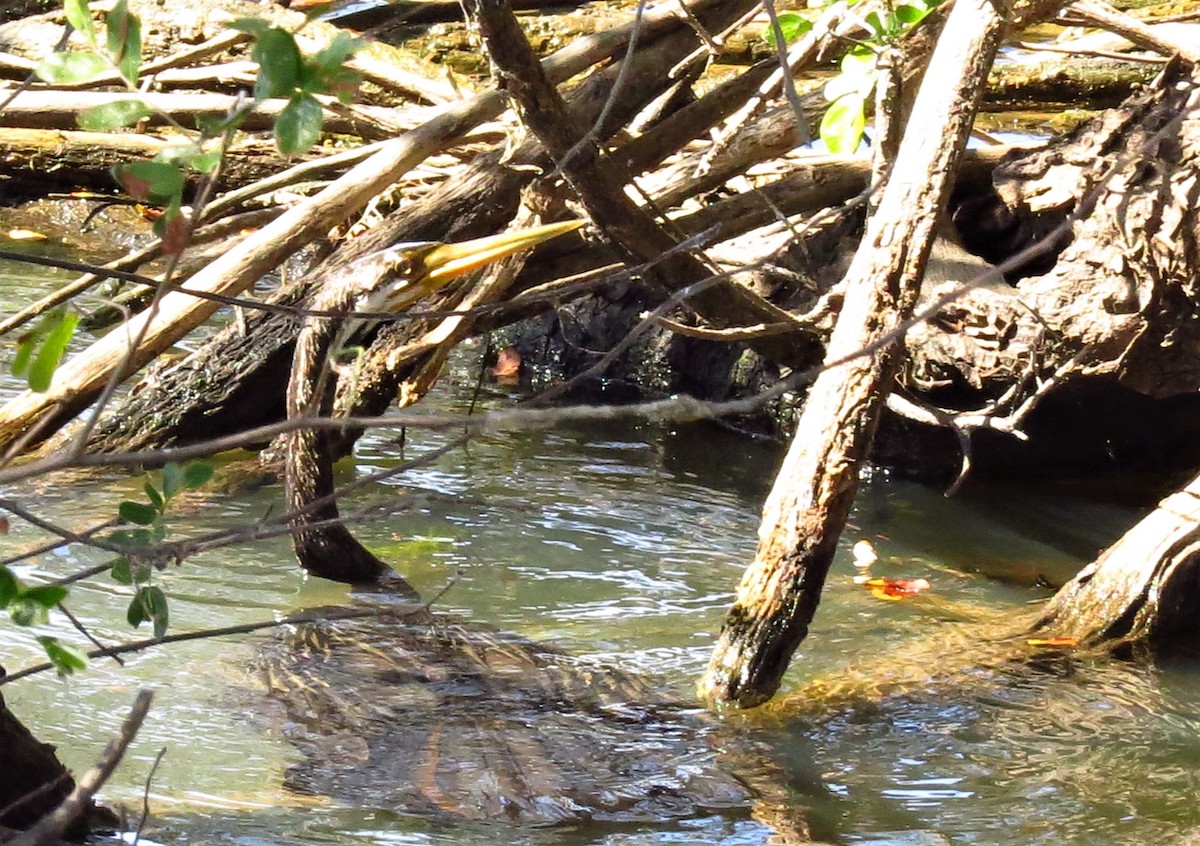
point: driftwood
(202, 30)
(486, 196)
(42, 158)
(61, 109)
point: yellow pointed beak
(447, 262)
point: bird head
(401, 275)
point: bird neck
(323, 545)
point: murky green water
(624, 543)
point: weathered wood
(815, 488)
(43, 109)
(201, 27)
(600, 184)
(1118, 300)
(44, 158)
(77, 383)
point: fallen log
(46, 158)
(43, 109)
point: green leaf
(46, 596)
(158, 610)
(79, 16)
(54, 346)
(150, 603)
(250, 26)
(859, 73)
(207, 162)
(115, 115)
(910, 15)
(792, 26)
(66, 659)
(280, 67)
(156, 499)
(25, 348)
(197, 474)
(334, 54)
(134, 538)
(136, 613)
(122, 571)
(10, 586)
(299, 125)
(843, 124)
(137, 512)
(193, 156)
(125, 41)
(25, 612)
(126, 572)
(173, 480)
(156, 181)
(71, 68)
(875, 24)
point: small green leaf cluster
(849, 92)
(41, 349)
(149, 603)
(122, 47)
(791, 25)
(30, 606)
(283, 71)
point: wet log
(815, 488)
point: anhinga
(389, 280)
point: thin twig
(82, 629)
(137, 834)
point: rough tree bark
(1145, 588)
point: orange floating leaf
(894, 589)
(507, 368)
(1053, 641)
